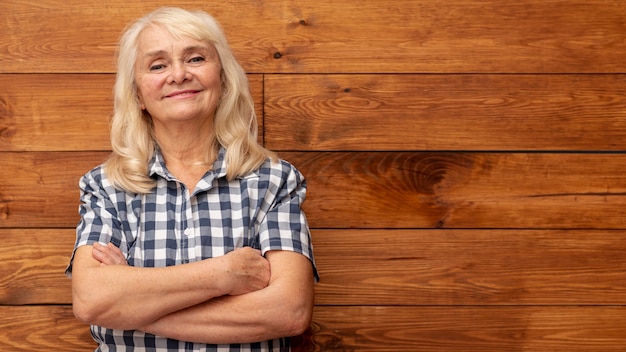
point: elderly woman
(192, 236)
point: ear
(140, 101)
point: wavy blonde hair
(235, 123)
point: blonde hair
(132, 137)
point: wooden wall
(465, 160)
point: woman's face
(178, 80)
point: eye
(196, 59)
(156, 67)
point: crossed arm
(237, 298)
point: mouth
(182, 93)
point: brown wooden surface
(55, 112)
(463, 190)
(41, 189)
(59, 112)
(33, 271)
(42, 328)
(395, 267)
(470, 267)
(44, 112)
(445, 112)
(536, 328)
(378, 189)
(465, 162)
(524, 36)
(496, 329)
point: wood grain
(567, 329)
(351, 112)
(55, 112)
(395, 267)
(463, 190)
(496, 329)
(273, 36)
(42, 188)
(445, 112)
(378, 189)
(470, 267)
(465, 162)
(42, 328)
(32, 272)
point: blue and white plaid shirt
(172, 226)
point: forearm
(284, 308)
(124, 297)
(109, 293)
(233, 319)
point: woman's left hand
(108, 255)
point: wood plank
(33, 265)
(463, 190)
(42, 328)
(395, 267)
(41, 189)
(378, 189)
(485, 329)
(445, 112)
(324, 36)
(470, 267)
(571, 329)
(54, 112)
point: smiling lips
(182, 93)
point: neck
(185, 146)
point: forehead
(156, 39)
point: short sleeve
(285, 226)
(99, 218)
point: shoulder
(281, 179)
(96, 181)
(94, 177)
(280, 170)
(277, 166)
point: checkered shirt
(172, 226)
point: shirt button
(187, 232)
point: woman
(191, 236)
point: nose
(179, 73)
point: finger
(116, 253)
(105, 255)
(101, 256)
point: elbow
(299, 326)
(87, 304)
(291, 318)
(299, 313)
(89, 312)
(94, 314)
(299, 320)
(84, 312)
(90, 309)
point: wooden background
(465, 160)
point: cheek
(217, 85)
(147, 90)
